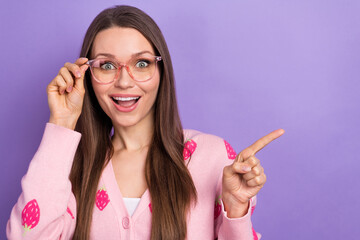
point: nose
(123, 78)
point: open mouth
(125, 101)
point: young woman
(114, 161)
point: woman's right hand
(66, 94)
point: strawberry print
(254, 234)
(253, 230)
(150, 207)
(230, 151)
(69, 211)
(252, 210)
(30, 215)
(102, 198)
(217, 209)
(189, 149)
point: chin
(124, 122)
(131, 121)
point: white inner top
(131, 204)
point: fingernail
(246, 168)
(69, 89)
(78, 73)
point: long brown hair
(169, 181)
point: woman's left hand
(243, 179)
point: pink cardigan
(46, 209)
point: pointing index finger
(262, 142)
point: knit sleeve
(232, 228)
(46, 208)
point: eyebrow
(132, 55)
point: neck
(136, 137)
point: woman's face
(117, 98)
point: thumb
(241, 167)
(84, 68)
(236, 168)
(79, 82)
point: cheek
(153, 90)
(99, 91)
(155, 84)
(96, 90)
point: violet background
(243, 69)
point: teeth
(125, 98)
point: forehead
(120, 42)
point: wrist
(234, 207)
(237, 211)
(63, 123)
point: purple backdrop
(243, 69)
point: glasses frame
(119, 67)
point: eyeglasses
(140, 68)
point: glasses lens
(142, 67)
(104, 70)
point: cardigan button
(126, 223)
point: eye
(108, 66)
(142, 64)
